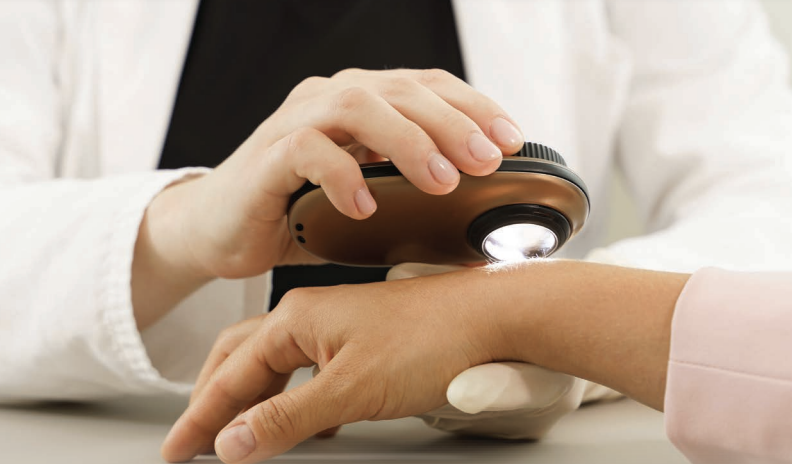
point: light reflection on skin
(494, 266)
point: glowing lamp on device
(518, 242)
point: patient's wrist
(602, 323)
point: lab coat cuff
(118, 316)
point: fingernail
(442, 169)
(505, 134)
(235, 443)
(365, 202)
(482, 149)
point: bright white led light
(518, 242)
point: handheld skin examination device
(529, 207)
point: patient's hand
(385, 351)
(390, 349)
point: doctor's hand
(231, 223)
(511, 400)
(386, 350)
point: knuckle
(434, 76)
(488, 107)
(300, 139)
(308, 84)
(313, 81)
(276, 418)
(225, 339)
(456, 120)
(230, 337)
(198, 424)
(334, 172)
(348, 72)
(399, 86)
(413, 138)
(223, 388)
(293, 299)
(351, 99)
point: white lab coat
(689, 98)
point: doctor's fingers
(356, 114)
(485, 112)
(305, 154)
(457, 135)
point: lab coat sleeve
(705, 140)
(67, 329)
(729, 387)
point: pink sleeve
(729, 388)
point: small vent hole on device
(301, 239)
(299, 227)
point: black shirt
(245, 56)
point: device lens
(518, 242)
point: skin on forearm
(607, 324)
(162, 274)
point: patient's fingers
(278, 424)
(228, 341)
(277, 387)
(332, 431)
(328, 433)
(239, 380)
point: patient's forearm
(607, 324)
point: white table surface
(130, 430)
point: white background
(623, 218)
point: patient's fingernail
(235, 443)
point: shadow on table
(160, 410)
(131, 430)
(452, 449)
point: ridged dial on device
(537, 151)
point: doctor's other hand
(378, 348)
(511, 400)
(231, 222)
